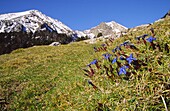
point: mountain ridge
(108, 28)
(44, 30)
(32, 21)
(37, 18)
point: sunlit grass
(52, 78)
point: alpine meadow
(127, 73)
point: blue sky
(84, 14)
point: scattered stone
(54, 44)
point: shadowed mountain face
(29, 28)
(14, 40)
(31, 21)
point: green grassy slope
(51, 78)
(44, 77)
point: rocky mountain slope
(34, 20)
(104, 29)
(108, 29)
(30, 28)
(38, 29)
(30, 21)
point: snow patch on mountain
(80, 33)
(32, 20)
(113, 24)
(108, 29)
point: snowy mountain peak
(31, 20)
(113, 24)
(34, 20)
(10, 16)
(108, 29)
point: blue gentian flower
(125, 43)
(114, 60)
(130, 59)
(116, 49)
(122, 58)
(121, 45)
(123, 70)
(93, 62)
(103, 45)
(151, 39)
(107, 55)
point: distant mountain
(104, 29)
(30, 21)
(108, 29)
(34, 20)
(30, 28)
